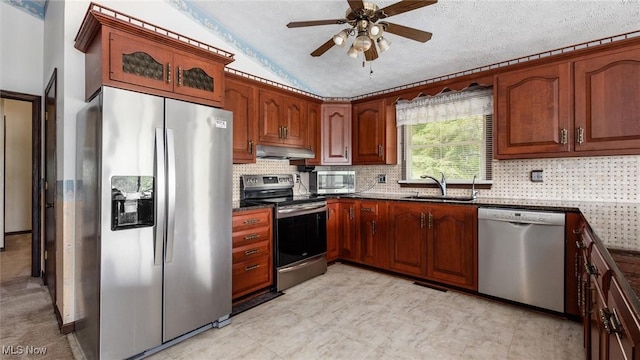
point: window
(459, 148)
(449, 133)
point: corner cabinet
(374, 134)
(533, 112)
(336, 134)
(607, 102)
(137, 58)
(241, 99)
(282, 119)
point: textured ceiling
(466, 34)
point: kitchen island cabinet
(252, 257)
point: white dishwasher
(521, 256)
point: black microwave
(332, 182)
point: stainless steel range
(300, 227)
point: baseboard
(64, 328)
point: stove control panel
(261, 182)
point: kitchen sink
(440, 197)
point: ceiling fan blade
(410, 33)
(323, 48)
(403, 6)
(296, 24)
(356, 4)
(372, 53)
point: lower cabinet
(347, 219)
(333, 230)
(371, 237)
(408, 238)
(252, 255)
(452, 246)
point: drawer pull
(590, 269)
(251, 221)
(251, 267)
(251, 236)
(580, 244)
(366, 209)
(251, 252)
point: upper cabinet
(314, 120)
(137, 58)
(336, 134)
(241, 99)
(374, 133)
(580, 107)
(607, 102)
(533, 111)
(282, 119)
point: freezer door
(130, 282)
(197, 288)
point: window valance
(444, 106)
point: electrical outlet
(536, 175)
(382, 178)
(297, 178)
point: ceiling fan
(362, 17)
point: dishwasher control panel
(521, 216)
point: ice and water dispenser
(132, 202)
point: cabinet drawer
(251, 218)
(369, 207)
(251, 275)
(251, 251)
(251, 236)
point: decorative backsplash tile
(607, 187)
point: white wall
(21, 39)
(17, 165)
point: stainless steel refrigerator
(153, 222)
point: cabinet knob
(580, 136)
(563, 136)
(168, 73)
(250, 146)
(179, 75)
(422, 216)
(379, 150)
(346, 152)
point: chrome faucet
(442, 184)
(474, 192)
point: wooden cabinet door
(295, 128)
(533, 112)
(452, 250)
(336, 134)
(314, 137)
(333, 231)
(348, 230)
(599, 338)
(369, 234)
(139, 62)
(624, 334)
(607, 102)
(407, 236)
(240, 99)
(270, 111)
(368, 133)
(198, 78)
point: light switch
(536, 175)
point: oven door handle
(302, 210)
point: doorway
(34, 103)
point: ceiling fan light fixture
(352, 52)
(383, 44)
(362, 41)
(340, 39)
(375, 31)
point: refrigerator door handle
(160, 197)
(171, 195)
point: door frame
(36, 192)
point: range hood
(282, 152)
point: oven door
(301, 232)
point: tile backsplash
(595, 182)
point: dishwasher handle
(517, 216)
